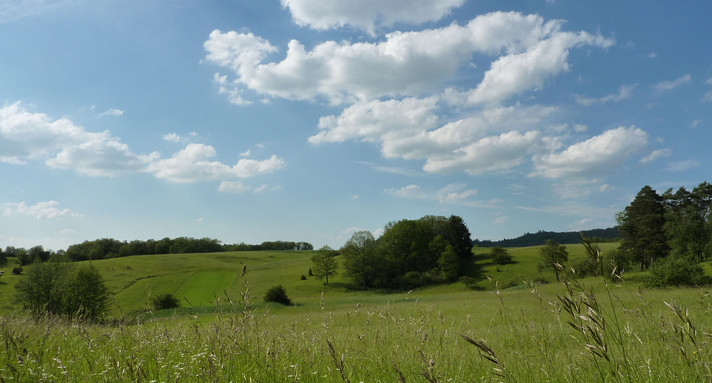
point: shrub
(303, 277)
(277, 294)
(17, 270)
(165, 301)
(675, 271)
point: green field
(336, 334)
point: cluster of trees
(62, 288)
(27, 256)
(669, 231)
(110, 248)
(410, 253)
(539, 238)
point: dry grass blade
(401, 378)
(338, 362)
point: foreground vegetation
(520, 335)
(500, 329)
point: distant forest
(539, 238)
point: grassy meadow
(517, 326)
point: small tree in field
(553, 256)
(324, 263)
(500, 256)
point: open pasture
(446, 333)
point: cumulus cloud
(16, 9)
(26, 136)
(593, 156)
(453, 194)
(408, 129)
(193, 164)
(529, 50)
(624, 92)
(670, 85)
(682, 166)
(113, 112)
(41, 210)
(655, 155)
(366, 14)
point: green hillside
(198, 279)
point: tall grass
(554, 333)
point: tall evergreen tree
(642, 228)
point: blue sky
(306, 120)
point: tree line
(111, 248)
(669, 233)
(539, 238)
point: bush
(277, 294)
(675, 271)
(165, 301)
(303, 277)
(17, 270)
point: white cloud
(62, 144)
(40, 210)
(408, 129)
(453, 194)
(489, 154)
(409, 192)
(624, 92)
(172, 137)
(708, 81)
(707, 97)
(515, 73)
(100, 155)
(245, 153)
(113, 112)
(655, 155)
(501, 220)
(670, 85)
(594, 156)
(389, 122)
(193, 164)
(367, 14)
(11, 10)
(579, 187)
(404, 64)
(682, 166)
(581, 224)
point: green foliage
(641, 227)
(554, 257)
(410, 253)
(60, 288)
(675, 271)
(277, 294)
(165, 301)
(360, 261)
(325, 264)
(687, 221)
(539, 238)
(500, 256)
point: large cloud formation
(395, 91)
